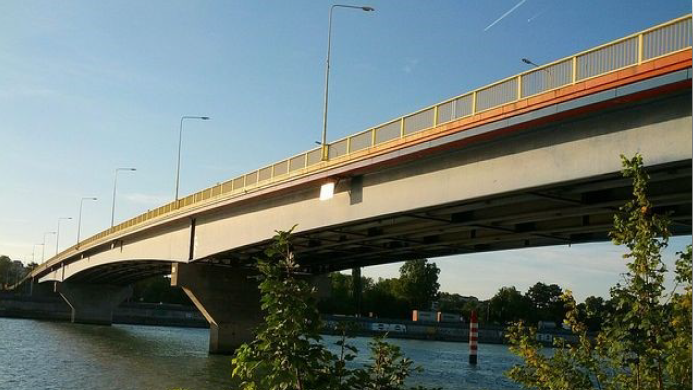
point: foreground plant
(287, 352)
(646, 341)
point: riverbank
(54, 308)
(437, 331)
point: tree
(508, 305)
(455, 303)
(546, 302)
(680, 345)
(645, 342)
(384, 299)
(419, 283)
(11, 271)
(287, 353)
(593, 312)
(341, 299)
(5, 269)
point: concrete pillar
(322, 284)
(229, 299)
(357, 289)
(93, 303)
(40, 290)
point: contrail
(536, 16)
(505, 14)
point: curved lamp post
(57, 232)
(548, 72)
(79, 219)
(43, 246)
(115, 186)
(327, 71)
(180, 144)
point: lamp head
(526, 61)
(205, 118)
(368, 9)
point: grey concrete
(228, 298)
(93, 303)
(40, 290)
(549, 157)
(553, 183)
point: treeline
(541, 302)
(12, 271)
(417, 288)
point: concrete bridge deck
(515, 164)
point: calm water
(36, 355)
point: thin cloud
(511, 10)
(410, 65)
(535, 16)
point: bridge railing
(652, 43)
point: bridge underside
(553, 184)
(549, 177)
(123, 273)
(572, 213)
(560, 213)
(575, 212)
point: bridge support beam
(357, 290)
(228, 298)
(93, 303)
(36, 289)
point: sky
(86, 87)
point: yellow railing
(655, 42)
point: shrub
(646, 340)
(287, 352)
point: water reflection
(54, 355)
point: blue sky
(86, 87)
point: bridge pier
(228, 298)
(93, 303)
(36, 289)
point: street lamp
(57, 233)
(43, 249)
(33, 252)
(529, 62)
(327, 71)
(79, 219)
(115, 186)
(180, 144)
(548, 72)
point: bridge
(531, 160)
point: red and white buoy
(473, 337)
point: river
(37, 355)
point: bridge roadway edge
(636, 75)
(354, 169)
(182, 247)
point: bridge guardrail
(652, 43)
